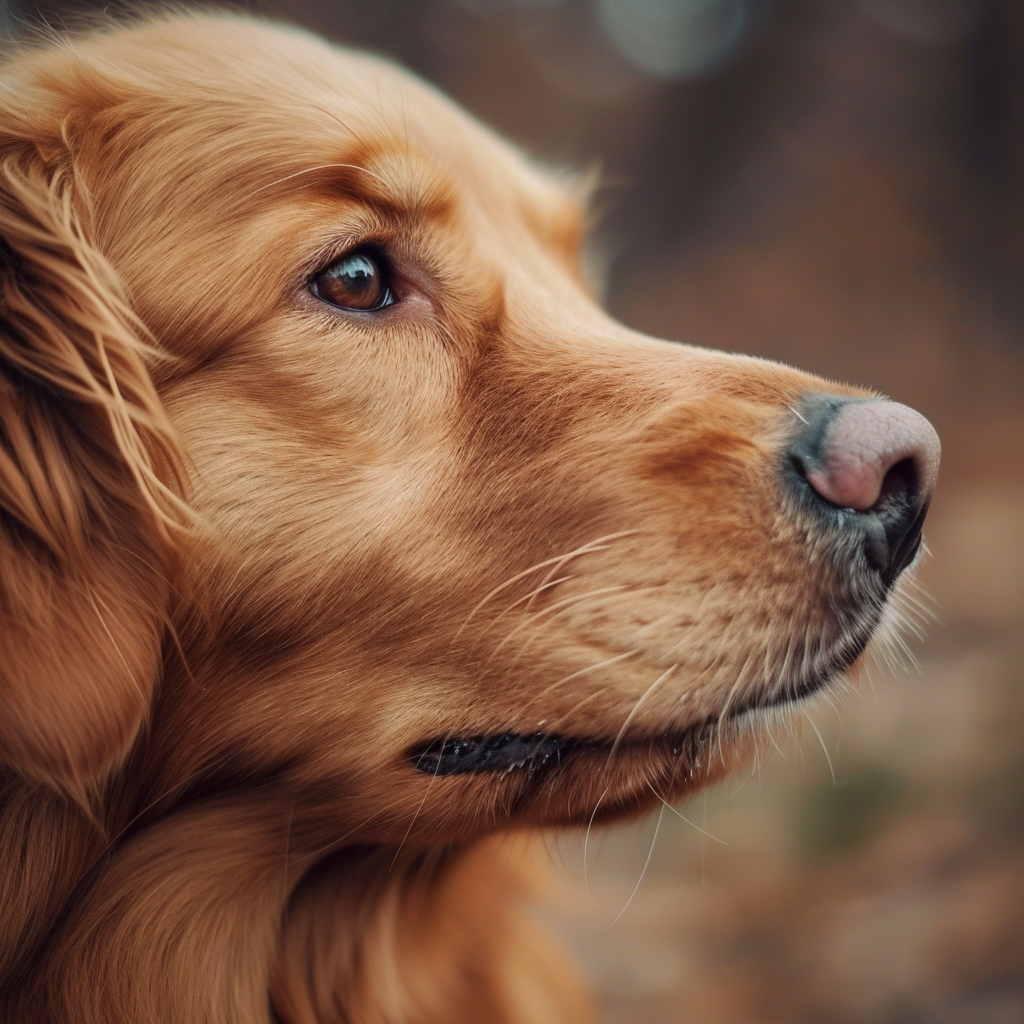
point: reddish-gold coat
(254, 549)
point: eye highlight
(357, 281)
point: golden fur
(256, 550)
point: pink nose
(862, 442)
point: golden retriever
(341, 530)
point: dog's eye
(356, 281)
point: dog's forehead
(313, 107)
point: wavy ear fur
(89, 486)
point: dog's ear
(90, 506)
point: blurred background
(837, 184)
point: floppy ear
(89, 511)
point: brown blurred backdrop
(837, 184)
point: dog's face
(468, 550)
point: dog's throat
(505, 752)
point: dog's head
(460, 549)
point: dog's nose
(851, 449)
(875, 458)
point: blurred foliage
(841, 816)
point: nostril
(900, 488)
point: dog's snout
(874, 458)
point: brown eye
(356, 281)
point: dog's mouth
(504, 752)
(507, 752)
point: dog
(344, 536)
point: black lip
(505, 751)
(509, 751)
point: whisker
(771, 736)
(531, 596)
(586, 841)
(578, 673)
(598, 544)
(568, 716)
(797, 415)
(180, 785)
(416, 813)
(755, 771)
(538, 621)
(587, 549)
(650, 853)
(810, 721)
(683, 816)
(555, 608)
(921, 602)
(734, 689)
(636, 707)
(340, 839)
(334, 117)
